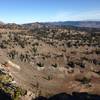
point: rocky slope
(49, 60)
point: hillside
(49, 59)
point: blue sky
(24, 11)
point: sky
(26, 11)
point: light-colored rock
(13, 64)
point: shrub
(71, 64)
(84, 80)
(54, 65)
(40, 64)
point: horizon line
(97, 20)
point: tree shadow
(74, 96)
(4, 96)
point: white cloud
(61, 16)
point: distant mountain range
(90, 24)
(93, 24)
